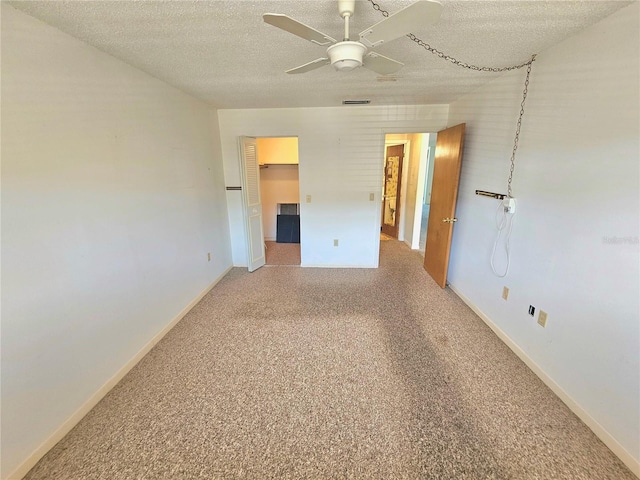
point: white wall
(341, 151)
(577, 182)
(112, 195)
(278, 184)
(431, 155)
(421, 178)
(413, 178)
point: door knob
(449, 220)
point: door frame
(404, 215)
(403, 180)
(400, 193)
(243, 180)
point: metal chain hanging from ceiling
(476, 68)
(517, 137)
(449, 58)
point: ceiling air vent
(387, 78)
(356, 102)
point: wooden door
(252, 205)
(444, 194)
(392, 182)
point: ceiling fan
(347, 54)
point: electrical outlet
(505, 293)
(542, 318)
(372, 197)
(532, 310)
(308, 198)
(209, 257)
(335, 242)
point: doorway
(392, 186)
(414, 188)
(430, 172)
(280, 197)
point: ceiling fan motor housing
(346, 7)
(346, 56)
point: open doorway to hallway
(280, 197)
(414, 187)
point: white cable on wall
(505, 220)
(508, 205)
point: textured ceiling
(223, 53)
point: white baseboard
(599, 430)
(79, 414)
(311, 265)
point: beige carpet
(307, 373)
(282, 253)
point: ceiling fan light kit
(348, 54)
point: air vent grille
(356, 102)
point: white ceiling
(223, 53)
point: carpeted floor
(305, 373)
(282, 253)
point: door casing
(395, 186)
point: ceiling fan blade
(307, 67)
(416, 15)
(290, 25)
(381, 64)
